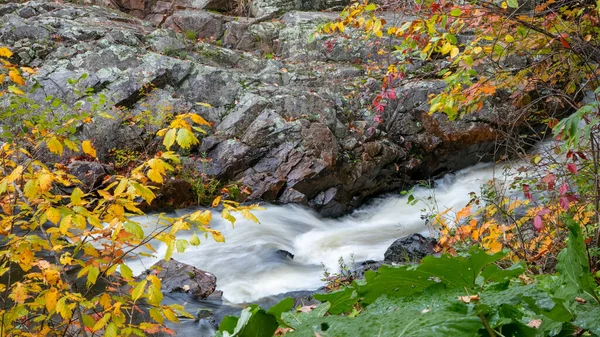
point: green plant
(191, 35)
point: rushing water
(248, 265)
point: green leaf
(370, 7)
(111, 330)
(295, 319)
(390, 322)
(255, 322)
(341, 301)
(228, 323)
(284, 305)
(513, 3)
(573, 263)
(456, 12)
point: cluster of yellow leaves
(60, 237)
(13, 72)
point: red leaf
(564, 42)
(572, 167)
(549, 179)
(564, 203)
(563, 189)
(538, 223)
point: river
(248, 265)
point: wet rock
(284, 254)
(410, 248)
(90, 173)
(180, 277)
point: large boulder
(411, 248)
(180, 277)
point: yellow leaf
(504, 5)
(15, 90)
(495, 247)
(248, 215)
(53, 215)
(138, 291)
(16, 77)
(170, 315)
(216, 202)
(5, 52)
(169, 139)
(477, 50)
(63, 308)
(203, 217)
(446, 48)
(19, 293)
(454, 52)
(28, 70)
(155, 176)
(102, 322)
(15, 174)
(376, 26)
(88, 148)
(45, 181)
(508, 38)
(199, 120)
(51, 297)
(76, 196)
(206, 105)
(218, 236)
(54, 145)
(2, 77)
(185, 138)
(121, 187)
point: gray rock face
(412, 248)
(292, 119)
(180, 277)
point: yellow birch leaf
(155, 176)
(53, 215)
(216, 201)
(45, 181)
(19, 293)
(218, 236)
(88, 148)
(169, 139)
(51, 298)
(376, 26)
(185, 138)
(15, 174)
(5, 52)
(454, 52)
(199, 120)
(446, 48)
(15, 90)
(54, 146)
(16, 77)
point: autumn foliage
(64, 249)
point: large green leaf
(341, 301)
(295, 319)
(386, 320)
(452, 271)
(253, 322)
(573, 264)
(285, 305)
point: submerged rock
(411, 248)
